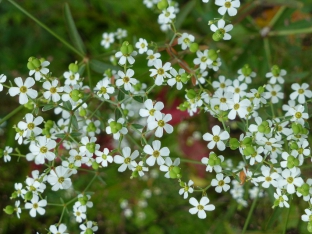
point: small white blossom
(200, 207)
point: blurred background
(152, 204)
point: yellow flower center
(216, 138)
(236, 106)
(127, 160)
(221, 183)
(125, 79)
(161, 123)
(227, 4)
(103, 90)
(298, 115)
(61, 180)
(160, 71)
(35, 206)
(268, 179)
(300, 91)
(200, 207)
(290, 180)
(43, 149)
(151, 112)
(52, 90)
(203, 59)
(78, 157)
(273, 93)
(156, 153)
(23, 89)
(30, 126)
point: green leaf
(74, 121)
(101, 67)
(184, 13)
(138, 99)
(276, 214)
(67, 105)
(117, 114)
(82, 69)
(60, 135)
(75, 134)
(120, 96)
(309, 227)
(73, 33)
(137, 126)
(48, 107)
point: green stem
(250, 213)
(290, 32)
(86, 189)
(267, 51)
(276, 16)
(89, 75)
(285, 225)
(46, 28)
(191, 161)
(11, 114)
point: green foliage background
(167, 212)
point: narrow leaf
(137, 126)
(117, 114)
(73, 33)
(47, 107)
(101, 67)
(60, 135)
(184, 13)
(120, 96)
(74, 121)
(138, 99)
(67, 105)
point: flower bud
(234, 143)
(275, 70)
(193, 47)
(162, 5)
(73, 67)
(9, 210)
(212, 54)
(91, 147)
(191, 94)
(246, 70)
(217, 36)
(30, 66)
(28, 196)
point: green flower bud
(291, 160)
(185, 77)
(162, 5)
(31, 58)
(91, 127)
(36, 62)
(137, 86)
(48, 124)
(296, 128)
(83, 200)
(14, 195)
(108, 73)
(29, 105)
(304, 189)
(176, 169)
(75, 95)
(73, 67)
(309, 227)
(182, 184)
(91, 147)
(125, 111)
(28, 196)
(249, 150)
(82, 112)
(294, 146)
(247, 141)
(217, 36)
(275, 70)
(124, 49)
(134, 174)
(191, 94)
(130, 49)
(88, 231)
(234, 143)
(193, 47)
(212, 54)
(260, 89)
(30, 66)
(246, 70)
(9, 210)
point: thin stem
(46, 28)
(86, 189)
(267, 51)
(276, 16)
(285, 226)
(11, 114)
(250, 213)
(290, 32)
(191, 161)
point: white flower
(89, 227)
(202, 59)
(256, 156)
(228, 6)
(300, 92)
(151, 110)
(281, 198)
(126, 80)
(152, 57)
(103, 158)
(213, 162)
(19, 190)
(141, 45)
(40, 71)
(222, 84)
(80, 213)
(223, 29)
(116, 128)
(41, 150)
(221, 183)
(186, 189)
(59, 178)
(307, 216)
(138, 167)
(160, 123)
(108, 39)
(237, 89)
(298, 114)
(2, 80)
(167, 15)
(245, 77)
(185, 40)
(58, 230)
(52, 90)
(30, 125)
(205, 1)
(156, 153)
(238, 107)
(291, 179)
(200, 207)
(88, 145)
(23, 89)
(121, 33)
(17, 209)
(123, 58)
(36, 206)
(78, 158)
(216, 138)
(215, 64)
(71, 78)
(169, 165)
(160, 71)
(268, 177)
(125, 159)
(176, 78)
(273, 93)
(277, 77)
(6, 153)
